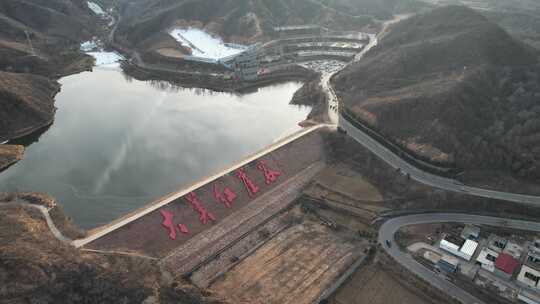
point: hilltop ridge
(451, 86)
(27, 103)
(39, 41)
(234, 20)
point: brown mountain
(26, 103)
(238, 20)
(55, 29)
(38, 37)
(453, 87)
(10, 154)
(35, 267)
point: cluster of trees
(512, 141)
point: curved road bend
(390, 227)
(50, 223)
(427, 178)
(394, 160)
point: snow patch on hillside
(203, 44)
(96, 8)
(106, 59)
(88, 46)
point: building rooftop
(469, 247)
(506, 263)
(453, 239)
(470, 232)
(487, 256)
(496, 243)
(513, 249)
(529, 276)
(533, 258)
(536, 243)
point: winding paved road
(394, 160)
(427, 178)
(389, 228)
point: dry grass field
(294, 267)
(372, 285)
(10, 154)
(349, 183)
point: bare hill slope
(232, 19)
(35, 267)
(55, 29)
(451, 86)
(26, 103)
(38, 37)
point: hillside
(37, 268)
(453, 87)
(380, 9)
(55, 29)
(38, 37)
(10, 154)
(27, 103)
(234, 20)
(523, 24)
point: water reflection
(172, 88)
(117, 144)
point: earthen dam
(189, 227)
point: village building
(529, 277)
(506, 265)
(487, 258)
(458, 246)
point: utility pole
(29, 42)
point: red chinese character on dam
(183, 228)
(204, 215)
(168, 223)
(270, 176)
(250, 186)
(227, 197)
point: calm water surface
(117, 144)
